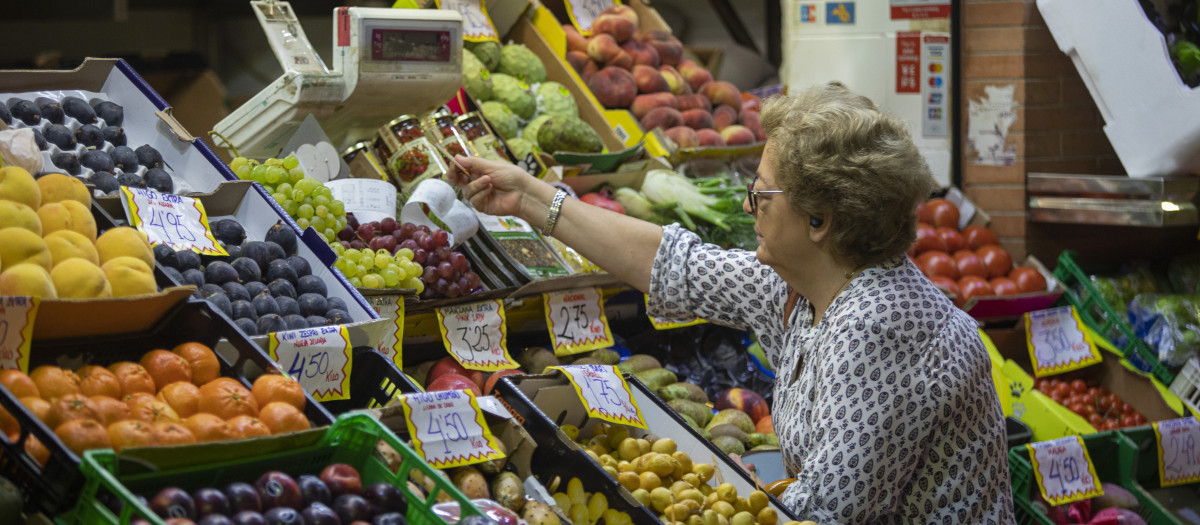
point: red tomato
(1128, 420)
(1139, 418)
(978, 236)
(946, 283)
(1078, 386)
(953, 240)
(997, 260)
(1102, 404)
(1004, 286)
(969, 264)
(975, 286)
(945, 213)
(1096, 420)
(924, 214)
(928, 239)
(1028, 279)
(937, 262)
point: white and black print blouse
(892, 416)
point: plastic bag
(1169, 323)
(710, 356)
(19, 148)
(1184, 273)
(496, 514)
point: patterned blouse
(885, 410)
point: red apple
(744, 399)
(448, 365)
(453, 382)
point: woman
(884, 402)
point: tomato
(1114, 401)
(953, 240)
(944, 212)
(997, 260)
(1127, 408)
(936, 262)
(1063, 388)
(969, 264)
(1076, 408)
(1004, 286)
(1110, 424)
(1089, 399)
(974, 286)
(1078, 386)
(928, 239)
(924, 214)
(1139, 418)
(946, 284)
(1095, 419)
(1028, 279)
(1128, 420)
(977, 236)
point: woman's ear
(818, 228)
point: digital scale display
(410, 45)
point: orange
(38, 406)
(183, 397)
(226, 399)
(152, 411)
(172, 433)
(205, 365)
(166, 368)
(130, 433)
(8, 423)
(135, 398)
(53, 381)
(110, 410)
(37, 450)
(281, 417)
(98, 381)
(133, 377)
(83, 434)
(248, 427)
(19, 384)
(207, 427)
(71, 406)
(274, 387)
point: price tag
(447, 428)
(1178, 453)
(17, 314)
(475, 335)
(667, 324)
(604, 393)
(1064, 470)
(584, 12)
(174, 220)
(1057, 341)
(319, 358)
(576, 321)
(390, 307)
(477, 25)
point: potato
(536, 513)
(508, 490)
(471, 483)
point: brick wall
(1057, 127)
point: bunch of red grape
(445, 272)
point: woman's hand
(494, 188)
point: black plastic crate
(374, 382)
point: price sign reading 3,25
(475, 335)
(17, 314)
(1064, 470)
(576, 321)
(1178, 451)
(1057, 342)
(176, 221)
(319, 358)
(448, 429)
(604, 393)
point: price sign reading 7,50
(1064, 470)
(318, 358)
(176, 221)
(1178, 454)
(576, 321)
(448, 429)
(604, 393)
(474, 334)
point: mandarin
(269, 388)
(184, 397)
(110, 409)
(205, 365)
(69, 407)
(83, 434)
(153, 411)
(227, 399)
(98, 381)
(133, 377)
(8, 423)
(282, 417)
(165, 367)
(135, 398)
(38, 406)
(37, 450)
(207, 427)
(130, 433)
(247, 427)
(19, 384)
(172, 433)
(53, 381)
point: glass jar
(350, 153)
(480, 136)
(395, 134)
(452, 140)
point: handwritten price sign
(477, 25)
(390, 307)
(319, 358)
(1178, 451)
(1064, 470)
(447, 428)
(17, 314)
(176, 221)
(604, 393)
(667, 324)
(576, 321)
(475, 335)
(1057, 342)
(584, 12)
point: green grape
(295, 174)
(352, 254)
(305, 211)
(337, 208)
(414, 284)
(290, 162)
(273, 162)
(299, 196)
(290, 207)
(279, 197)
(390, 277)
(243, 171)
(259, 174)
(322, 210)
(337, 247)
(273, 175)
(323, 190)
(238, 162)
(340, 223)
(320, 200)
(331, 235)
(307, 185)
(356, 282)
(405, 254)
(346, 266)
(318, 223)
(383, 261)
(284, 187)
(326, 237)
(360, 270)
(372, 281)
(367, 260)
(413, 269)
(302, 223)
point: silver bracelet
(552, 216)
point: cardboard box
(999, 307)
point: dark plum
(283, 516)
(274, 250)
(287, 306)
(257, 251)
(389, 518)
(26, 111)
(243, 309)
(247, 269)
(314, 490)
(221, 303)
(351, 508)
(316, 320)
(265, 305)
(53, 112)
(133, 180)
(97, 160)
(220, 272)
(295, 322)
(311, 284)
(105, 182)
(123, 157)
(249, 517)
(173, 275)
(228, 231)
(236, 291)
(112, 113)
(38, 138)
(78, 109)
(233, 250)
(165, 255)
(282, 288)
(115, 135)
(66, 161)
(90, 136)
(209, 290)
(210, 501)
(280, 269)
(188, 259)
(173, 502)
(336, 303)
(215, 519)
(336, 316)
(299, 265)
(148, 156)
(60, 136)
(278, 489)
(385, 497)
(255, 289)
(284, 236)
(320, 514)
(312, 304)
(193, 277)
(5, 115)
(242, 496)
(159, 180)
(246, 325)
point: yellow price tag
(477, 24)
(475, 335)
(174, 220)
(604, 393)
(1058, 342)
(667, 324)
(1064, 470)
(1178, 451)
(17, 314)
(576, 321)
(584, 12)
(447, 428)
(391, 307)
(319, 358)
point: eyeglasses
(752, 194)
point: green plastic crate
(1115, 458)
(1135, 350)
(1145, 473)
(351, 439)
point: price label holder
(1064, 470)
(604, 393)
(174, 220)
(447, 428)
(477, 24)
(390, 307)
(476, 336)
(1058, 342)
(667, 324)
(1178, 451)
(319, 358)
(584, 12)
(576, 321)
(17, 314)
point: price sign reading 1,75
(604, 393)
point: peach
(623, 60)
(577, 59)
(673, 78)
(613, 87)
(695, 75)
(751, 119)
(623, 11)
(670, 50)
(643, 104)
(737, 134)
(603, 48)
(720, 92)
(709, 137)
(642, 54)
(575, 41)
(621, 28)
(696, 101)
(649, 80)
(723, 117)
(683, 136)
(697, 119)
(743, 399)
(589, 69)
(664, 118)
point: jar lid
(360, 145)
(466, 117)
(400, 119)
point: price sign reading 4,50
(1057, 342)
(176, 221)
(604, 393)
(475, 335)
(1064, 470)
(584, 12)
(448, 429)
(17, 314)
(576, 321)
(1178, 451)
(319, 358)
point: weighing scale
(386, 63)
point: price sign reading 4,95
(604, 393)
(176, 221)
(1064, 470)
(16, 331)
(576, 321)
(319, 358)
(475, 335)
(1178, 451)
(448, 429)
(1057, 342)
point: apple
(495, 378)
(341, 479)
(452, 382)
(743, 399)
(448, 365)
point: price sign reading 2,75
(1178, 454)
(604, 393)
(576, 321)
(448, 429)
(475, 334)
(1064, 470)
(176, 221)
